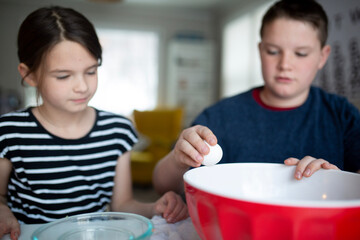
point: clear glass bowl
(96, 226)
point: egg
(214, 156)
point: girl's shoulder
(112, 123)
(23, 115)
(17, 122)
(106, 118)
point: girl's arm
(8, 222)
(170, 205)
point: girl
(63, 157)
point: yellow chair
(161, 127)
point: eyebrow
(66, 71)
(276, 46)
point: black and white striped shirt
(54, 177)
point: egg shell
(214, 156)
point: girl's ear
(28, 78)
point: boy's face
(291, 55)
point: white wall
(341, 73)
(167, 22)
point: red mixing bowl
(264, 201)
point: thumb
(15, 233)
(160, 206)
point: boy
(286, 117)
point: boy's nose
(285, 61)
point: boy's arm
(189, 151)
(167, 176)
(8, 222)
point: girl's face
(68, 77)
(291, 55)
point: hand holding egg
(214, 156)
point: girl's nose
(80, 84)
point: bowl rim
(147, 233)
(276, 202)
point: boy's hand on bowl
(171, 207)
(308, 165)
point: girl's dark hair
(301, 10)
(45, 27)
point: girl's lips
(80, 100)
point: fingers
(187, 154)
(308, 165)
(196, 136)
(291, 161)
(15, 234)
(183, 214)
(3, 231)
(13, 229)
(206, 134)
(172, 207)
(190, 148)
(327, 165)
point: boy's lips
(283, 79)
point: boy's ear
(325, 52)
(24, 72)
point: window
(128, 77)
(241, 60)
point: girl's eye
(91, 73)
(62, 77)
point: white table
(183, 230)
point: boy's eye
(272, 52)
(301, 54)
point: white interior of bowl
(275, 184)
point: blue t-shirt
(326, 126)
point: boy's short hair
(301, 10)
